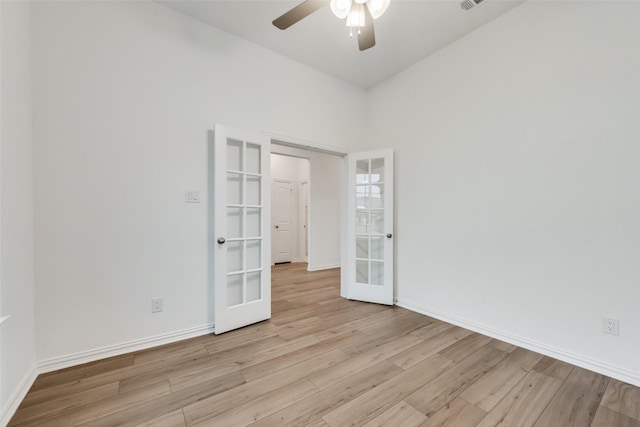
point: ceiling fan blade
(299, 12)
(367, 37)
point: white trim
(290, 141)
(548, 350)
(322, 267)
(70, 360)
(4, 318)
(9, 410)
(82, 357)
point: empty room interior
(320, 213)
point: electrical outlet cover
(611, 326)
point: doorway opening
(307, 202)
(350, 208)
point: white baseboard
(70, 360)
(322, 267)
(17, 396)
(542, 348)
(67, 361)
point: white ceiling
(409, 31)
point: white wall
(17, 334)
(517, 180)
(124, 93)
(516, 163)
(288, 167)
(325, 198)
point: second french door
(370, 226)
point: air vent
(469, 4)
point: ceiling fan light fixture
(355, 19)
(377, 7)
(341, 8)
(354, 11)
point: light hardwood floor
(325, 361)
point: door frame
(278, 140)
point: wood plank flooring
(323, 361)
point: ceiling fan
(359, 15)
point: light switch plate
(192, 196)
(156, 305)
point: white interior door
(370, 226)
(240, 234)
(283, 218)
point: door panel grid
(369, 182)
(244, 211)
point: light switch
(192, 196)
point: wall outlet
(611, 326)
(156, 305)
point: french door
(240, 238)
(370, 226)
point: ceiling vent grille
(469, 4)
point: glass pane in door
(234, 188)
(377, 196)
(234, 256)
(254, 254)
(362, 247)
(377, 273)
(234, 222)
(362, 271)
(362, 171)
(234, 155)
(362, 222)
(377, 222)
(234, 289)
(254, 289)
(377, 170)
(253, 190)
(253, 222)
(362, 197)
(377, 248)
(253, 159)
